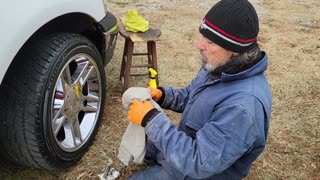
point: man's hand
(138, 111)
(156, 94)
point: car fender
(21, 19)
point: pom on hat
(232, 24)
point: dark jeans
(155, 173)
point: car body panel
(19, 23)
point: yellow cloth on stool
(135, 23)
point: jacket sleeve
(176, 99)
(229, 133)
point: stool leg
(154, 59)
(124, 57)
(149, 48)
(128, 65)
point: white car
(52, 93)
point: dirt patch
(289, 32)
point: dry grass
(289, 33)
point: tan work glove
(141, 113)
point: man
(225, 110)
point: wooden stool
(150, 37)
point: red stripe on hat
(229, 35)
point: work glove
(156, 94)
(141, 113)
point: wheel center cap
(72, 102)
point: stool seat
(150, 37)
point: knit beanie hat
(232, 24)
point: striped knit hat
(232, 24)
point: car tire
(52, 100)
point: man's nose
(199, 44)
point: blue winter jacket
(223, 128)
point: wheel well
(77, 23)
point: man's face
(212, 55)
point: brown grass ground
(289, 32)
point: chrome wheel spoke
(89, 109)
(59, 112)
(58, 118)
(76, 133)
(57, 124)
(82, 72)
(66, 77)
(91, 98)
(85, 79)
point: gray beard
(208, 67)
(205, 65)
